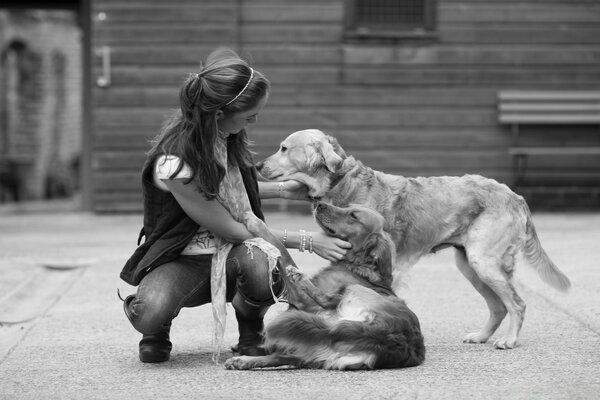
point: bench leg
(519, 168)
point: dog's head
(309, 156)
(372, 250)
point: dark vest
(167, 228)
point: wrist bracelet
(284, 236)
(302, 240)
(310, 242)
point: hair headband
(243, 89)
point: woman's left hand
(329, 247)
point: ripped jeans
(185, 282)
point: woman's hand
(329, 247)
(294, 190)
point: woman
(198, 180)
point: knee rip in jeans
(272, 254)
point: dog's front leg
(270, 360)
(296, 283)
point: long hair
(190, 132)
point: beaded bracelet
(302, 240)
(284, 236)
(310, 242)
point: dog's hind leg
(495, 305)
(496, 274)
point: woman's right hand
(294, 190)
(329, 247)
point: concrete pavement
(68, 337)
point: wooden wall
(410, 108)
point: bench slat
(540, 118)
(508, 95)
(551, 107)
(530, 150)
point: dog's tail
(302, 335)
(537, 257)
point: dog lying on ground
(487, 223)
(346, 317)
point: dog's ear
(332, 159)
(336, 146)
(378, 253)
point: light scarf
(233, 196)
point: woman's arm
(209, 214)
(291, 190)
(325, 246)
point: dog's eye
(354, 215)
(283, 149)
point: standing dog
(484, 220)
(345, 317)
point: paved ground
(68, 337)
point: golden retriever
(346, 317)
(487, 223)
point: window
(390, 18)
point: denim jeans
(185, 282)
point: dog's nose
(320, 206)
(260, 164)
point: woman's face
(235, 122)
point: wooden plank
(298, 54)
(528, 12)
(510, 33)
(171, 3)
(480, 75)
(167, 33)
(444, 54)
(154, 53)
(277, 12)
(369, 96)
(167, 54)
(144, 12)
(292, 33)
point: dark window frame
(359, 30)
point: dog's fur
(484, 220)
(346, 316)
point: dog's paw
(238, 363)
(294, 273)
(505, 343)
(475, 337)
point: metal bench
(541, 107)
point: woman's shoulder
(166, 165)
